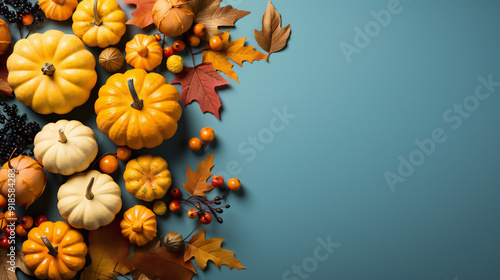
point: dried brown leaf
(7, 271)
(272, 38)
(5, 89)
(163, 264)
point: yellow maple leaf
(236, 51)
(204, 250)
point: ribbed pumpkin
(99, 23)
(143, 52)
(147, 177)
(54, 251)
(137, 109)
(51, 72)
(173, 17)
(139, 225)
(30, 180)
(5, 36)
(89, 200)
(58, 9)
(69, 138)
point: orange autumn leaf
(204, 250)
(235, 50)
(197, 181)
(142, 15)
(162, 264)
(108, 250)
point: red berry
(195, 144)
(216, 43)
(8, 229)
(207, 134)
(234, 184)
(179, 45)
(206, 218)
(199, 29)
(193, 40)
(108, 164)
(4, 242)
(217, 181)
(26, 222)
(40, 219)
(192, 213)
(21, 231)
(175, 193)
(168, 51)
(123, 153)
(174, 206)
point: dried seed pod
(173, 241)
(111, 59)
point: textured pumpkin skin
(68, 87)
(30, 180)
(134, 128)
(5, 37)
(106, 34)
(58, 9)
(139, 225)
(79, 151)
(147, 177)
(71, 246)
(143, 52)
(173, 17)
(96, 212)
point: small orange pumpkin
(139, 225)
(173, 17)
(144, 52)
(5, 36)
(58, 9)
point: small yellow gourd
(147, 177)
(139, 225)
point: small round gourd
(173, 17)
(147, 177)
(139, 225)
(173, 241)
(143, 52)
(69, 138)
(111, 59)
(89, 200)
(58, 9)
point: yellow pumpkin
(173, 17)
(99, 23)
(51, 72)
(139, 225)
(69, 138)
(137, 109)
(58, 9)
(147, 177)
(5, 36)
(54, 251)
(143, 52)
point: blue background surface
(322, 175)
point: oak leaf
(198, 84)
(209, 13)
(235, 50)
(204, 250)
(7, 271)
(108, 250)
(142, 15)
(5, 89)
(163, 264)
(272, 38)
(150, 246)
(197, 181)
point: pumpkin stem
(97, 16)
(89, 195)
(48, 69)
(53, 251)
(143, 51)
(137, 103)
(62, 137)
(137, 226)
(59, 2)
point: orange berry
(27, 19)
(192, 213)
(199, 30)
(26, 222)
(157, 37)
(179, 45)
(21, 231)
(11, 216)
(234, 184)
(124, 153)
(195, 144)
(216, 43)
(174, 206)
(193, 40)
(207, 134)
(108, 164)
(168, 51)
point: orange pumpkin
(5, 36)
(143, 52)
(173, 17)
(58, 9)
(28, 177)
(137, 109)
(139, 225)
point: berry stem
(192, 56)
(199, 222)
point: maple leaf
(209, 13)
(198, 84)
(149, 247)
(272, 38)
(108, 250)
(5, 89)
(197, 181)
(163, 264)
(6, 272)
(204, 250)
(236, 51)
(142, 15)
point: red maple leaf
(198, 84)
(141, 16)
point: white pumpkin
(89, 200)
(65, 147)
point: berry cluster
(24, 13)
(207, 135)
(21, 229)
(16, 134)
(109, 161)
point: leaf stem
(192, 56)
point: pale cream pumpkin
(89, 200)
(65, 147)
